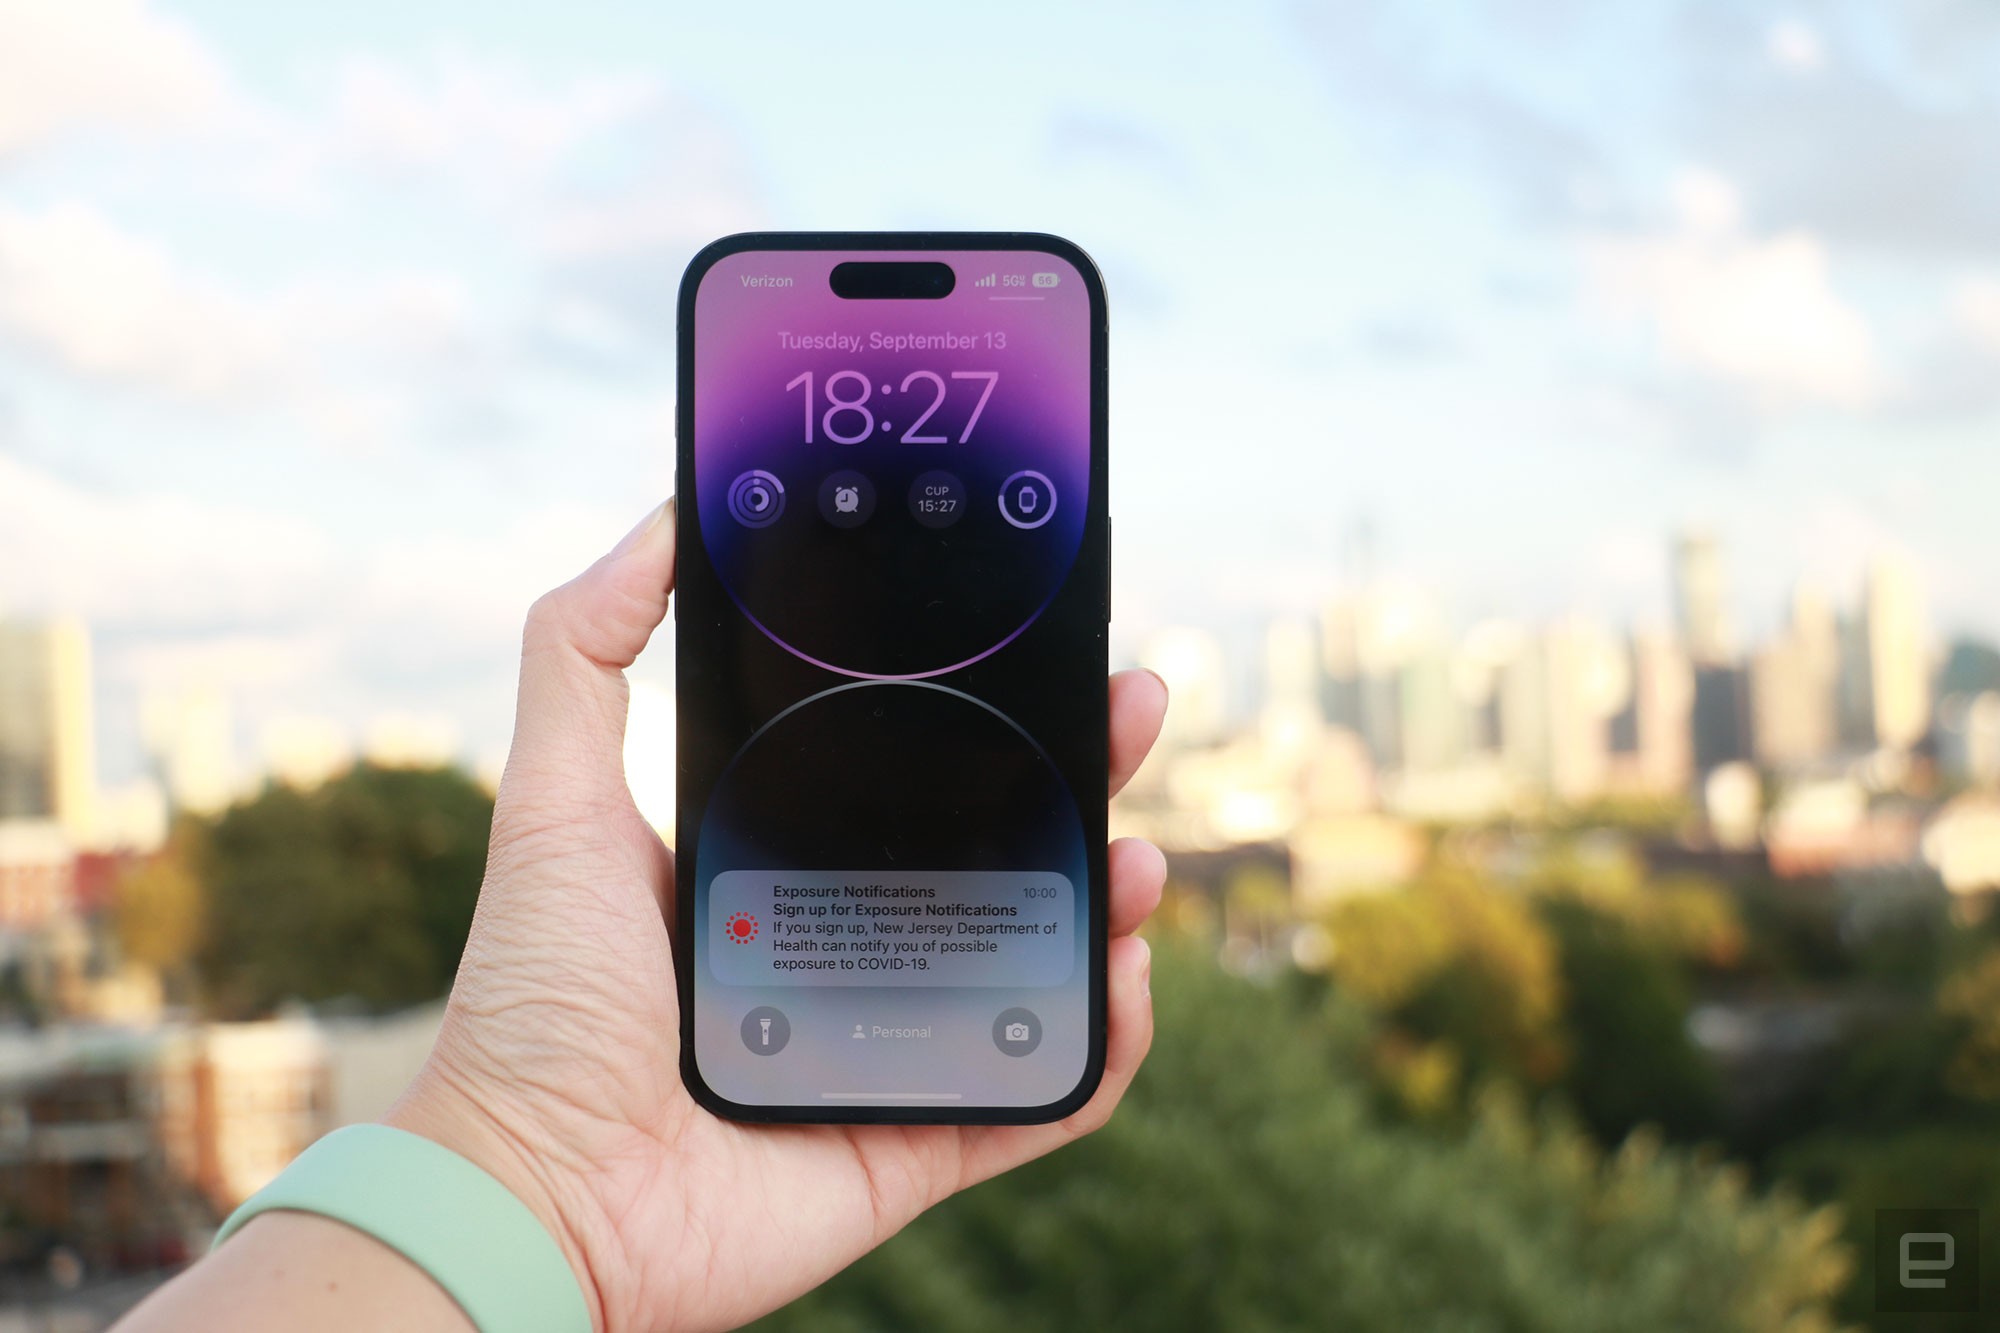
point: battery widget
(1047, 279)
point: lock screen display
(891, 612)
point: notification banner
(868, 928)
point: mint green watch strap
(443, 1214)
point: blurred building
(1733, 802)
(1521, 699)
(1962, 843)
(1795, 688)
(1191, 662)
(371, 1061)
(37, 874)
(1701, 598)
(237, 1101)
(132, 817)
(190, 734)
(1652, 735)
(1721, 718)
(1899, 678)
(410, 740)
(1969, 737)
(1434, 724)
(1589, 681)
(1828, 826)
(1335, 856)
(1557, 694)
(47, 757)
(79, 1158)
(130, 1142)
(1290, 720)
(303, 751)
(1368, 638)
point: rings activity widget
(756, 499)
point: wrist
(443, 1107)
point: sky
(332, 335)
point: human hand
(557, 1068)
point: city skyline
(1791, 696)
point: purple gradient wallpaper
(892, 885)
(895, 596)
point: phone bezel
(1096, 541)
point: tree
(1246, 1185)
(1631, 1062)
(363, 888)
(1453, 959)
(1973, 1000)
(160, 907)
(1937, 1165)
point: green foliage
(160, 905)
(1246, 1185)
(363, 889)
(1631, 1062)
(1949, 1165)
(1452, 959)
(1973, 1000)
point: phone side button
(1107, 569)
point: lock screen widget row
(937, 499)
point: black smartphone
(890, 619)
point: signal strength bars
(990, 280)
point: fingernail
(1145, 970)
(1162, 679)
(646, 525)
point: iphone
(890, 618)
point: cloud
(1975, 305)
(1895, 151)
(1089, 142)
(67, 65)
(1955, 371)
(149, 560)
(614, 240)
(1795, 45)
(343, 356)
(1422, 91)
(108, 304)
(1410, 338)
(1759, 313)
(475, 121)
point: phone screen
(891, 627)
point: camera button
(1017, 1032)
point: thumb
(569, 719)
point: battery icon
(1046, 279)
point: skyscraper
(1589, 680)
(1794, 687)
(1368, 638)
(47, 764)
(190, 735)
(1291, 718)
(1652, 736)
(1899, 678)
(1701, 599)
(1721, 716)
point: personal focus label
(928, 928)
